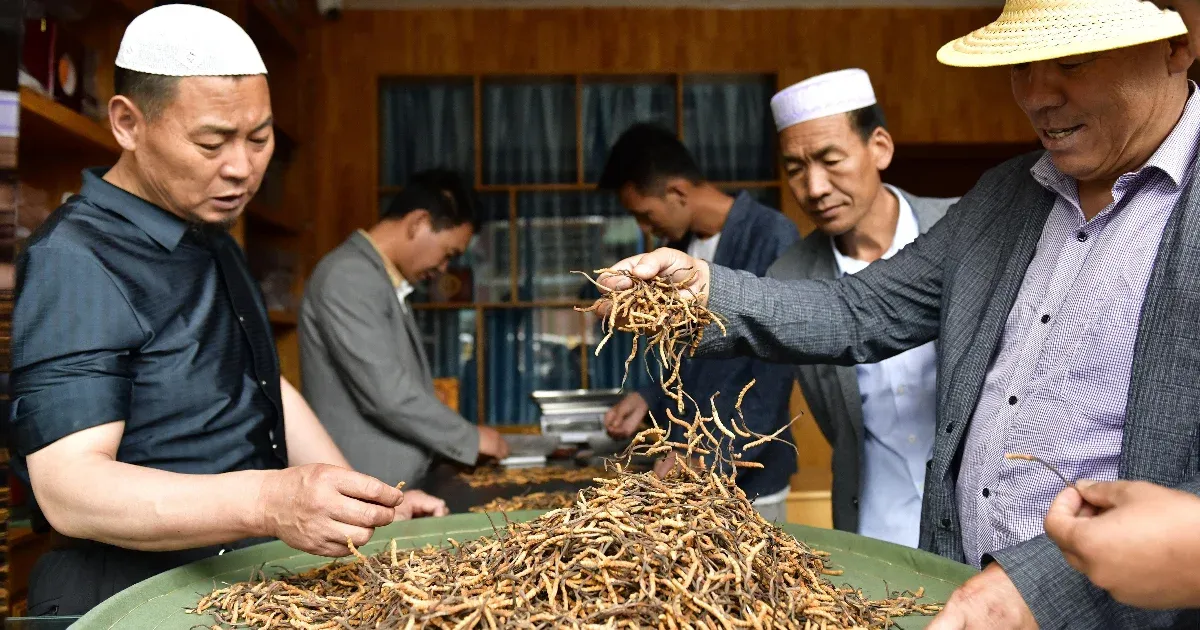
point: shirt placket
(1034, 355)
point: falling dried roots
(521, 476)
(684, 552)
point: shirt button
(929, 464)
(949, 427)
(1012, 400)
(1081, 237)
(900, 390)
(241, 319)
(946, 523)
(986, 493)
(1046, 319)
(263, 383)
(854, 501)
(912, 439)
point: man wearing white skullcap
(149, 416)
(879, 418)
(1064, 293)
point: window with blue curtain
(530, 142)
(529, 131)
(727, 125)
(425, 124)
(612, 105)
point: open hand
(316, 508)
(1134, 539)
(417, 504)
(492, 444)
(626, 416)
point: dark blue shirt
(125, 312)
(752, 238)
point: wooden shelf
(49, 127)
(283, 318)
(273, 217)
(287, 33)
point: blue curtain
(728, 127)
(529, 132)
(610, 108)
(423, 125)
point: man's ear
(679, 187)
(881, 147)
(416, 222)
(127, 120)
(1180, 54)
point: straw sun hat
(1037, 30)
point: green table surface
(159, 603)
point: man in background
(658, 182)
(364, 367)
(878, 417)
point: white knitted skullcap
(823, 95)
(182, 40)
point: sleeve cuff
(45, 416)
(1058, 595)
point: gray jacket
(831, 391)
(957, 284)
(366, 375)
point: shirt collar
(907, 231)
(162, 226)
(398, 281)
(1173, 157)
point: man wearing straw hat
(1153, 526)
(1063, 291)
(878, 418)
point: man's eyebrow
(226, 130)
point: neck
(124, 175)
(390, 241)
(1096, 194)
(710, 211)
(870, 239)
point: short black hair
(644, 156)
(150, 92)
(866, 120)
(443, 193)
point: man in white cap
(1063, 291)
(878, 418)
(148, 411)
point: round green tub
(159, 603)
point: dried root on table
(634, 551)
(531, 501)
(688, 551)
(671, 319)
(523, 476)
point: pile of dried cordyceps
(688, 551)
(531, 501)
(522, 476)
(672, 321)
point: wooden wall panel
(925, 102)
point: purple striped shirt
(1058, 385)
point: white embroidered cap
(183, 40)
(823, 95)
